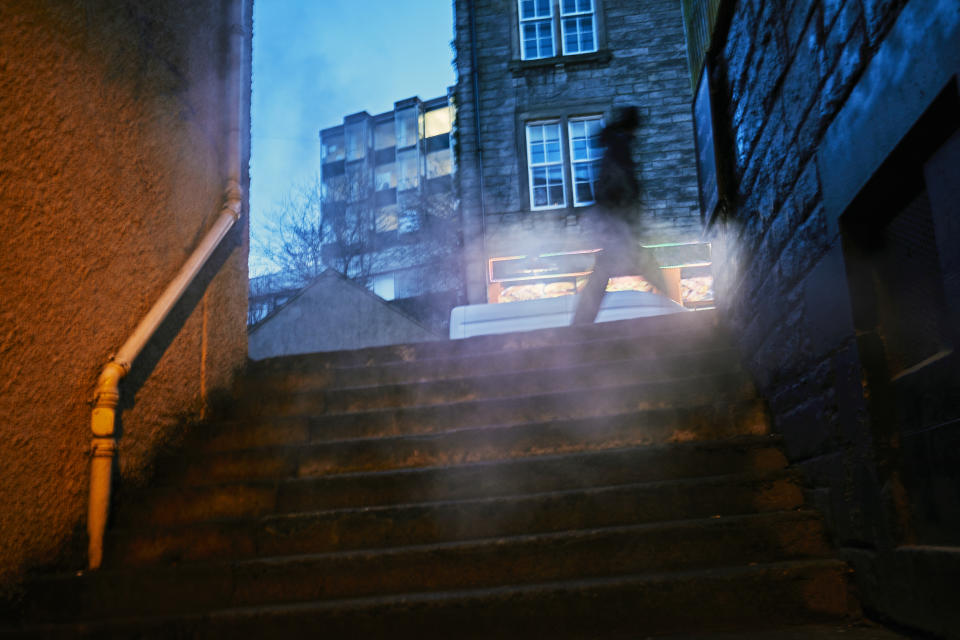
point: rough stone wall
(783, 74)
(641, 62)
(112, 130)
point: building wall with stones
(842, 117)
(113, 122)
(640, 60)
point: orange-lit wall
(112, 133)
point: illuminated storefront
(687, 270)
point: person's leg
(590, 298)
(650, 270)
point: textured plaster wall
(111, 169)
(641, 62)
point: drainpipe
(107, 393)
(476, 120)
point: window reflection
(386, 176)
(439, 163)
(388, 218)
(356, 145)
(409, 172)
(333, 149)
(385, 135)
(407, 133)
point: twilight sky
(315, 61)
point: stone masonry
(788, 79)
(640, 61)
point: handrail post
(103, 452)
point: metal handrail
(107, 394)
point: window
(585, 153)
(333, 149)
(577, 26)
(436, 122)
(385, 135)
(545, 165)
(545, 161)
(409, 171)
(407, 126)
(384, 286)
(387, 218)
(356, 142)
(385, 176)
(539, 28)
(536, 29)
(438, 163)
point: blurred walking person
(617, 198)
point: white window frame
(537, 19)
(594, 161)
(578, 15)
(531, 165)
(557, 21)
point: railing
(107, 394)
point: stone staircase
(615, 480)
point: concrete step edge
(789, 474)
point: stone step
(537, 474)
(301, 391)
(524, 400)
(628, 606)
(712, 419)
(247, 525)
(567, 555)
(695, 352)
(720, 391)
(467, 446)
(659, 333)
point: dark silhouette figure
(617, 193)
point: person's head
(626, 118)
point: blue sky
(315, 61)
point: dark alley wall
(817, 96)
(112, 130)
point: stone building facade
(837, 264)
(544, 75)
(388, 196)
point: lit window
(585, 153)
(545, 165)
(536, 29)
(577, 26)
(436, 122)
(539, 28)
